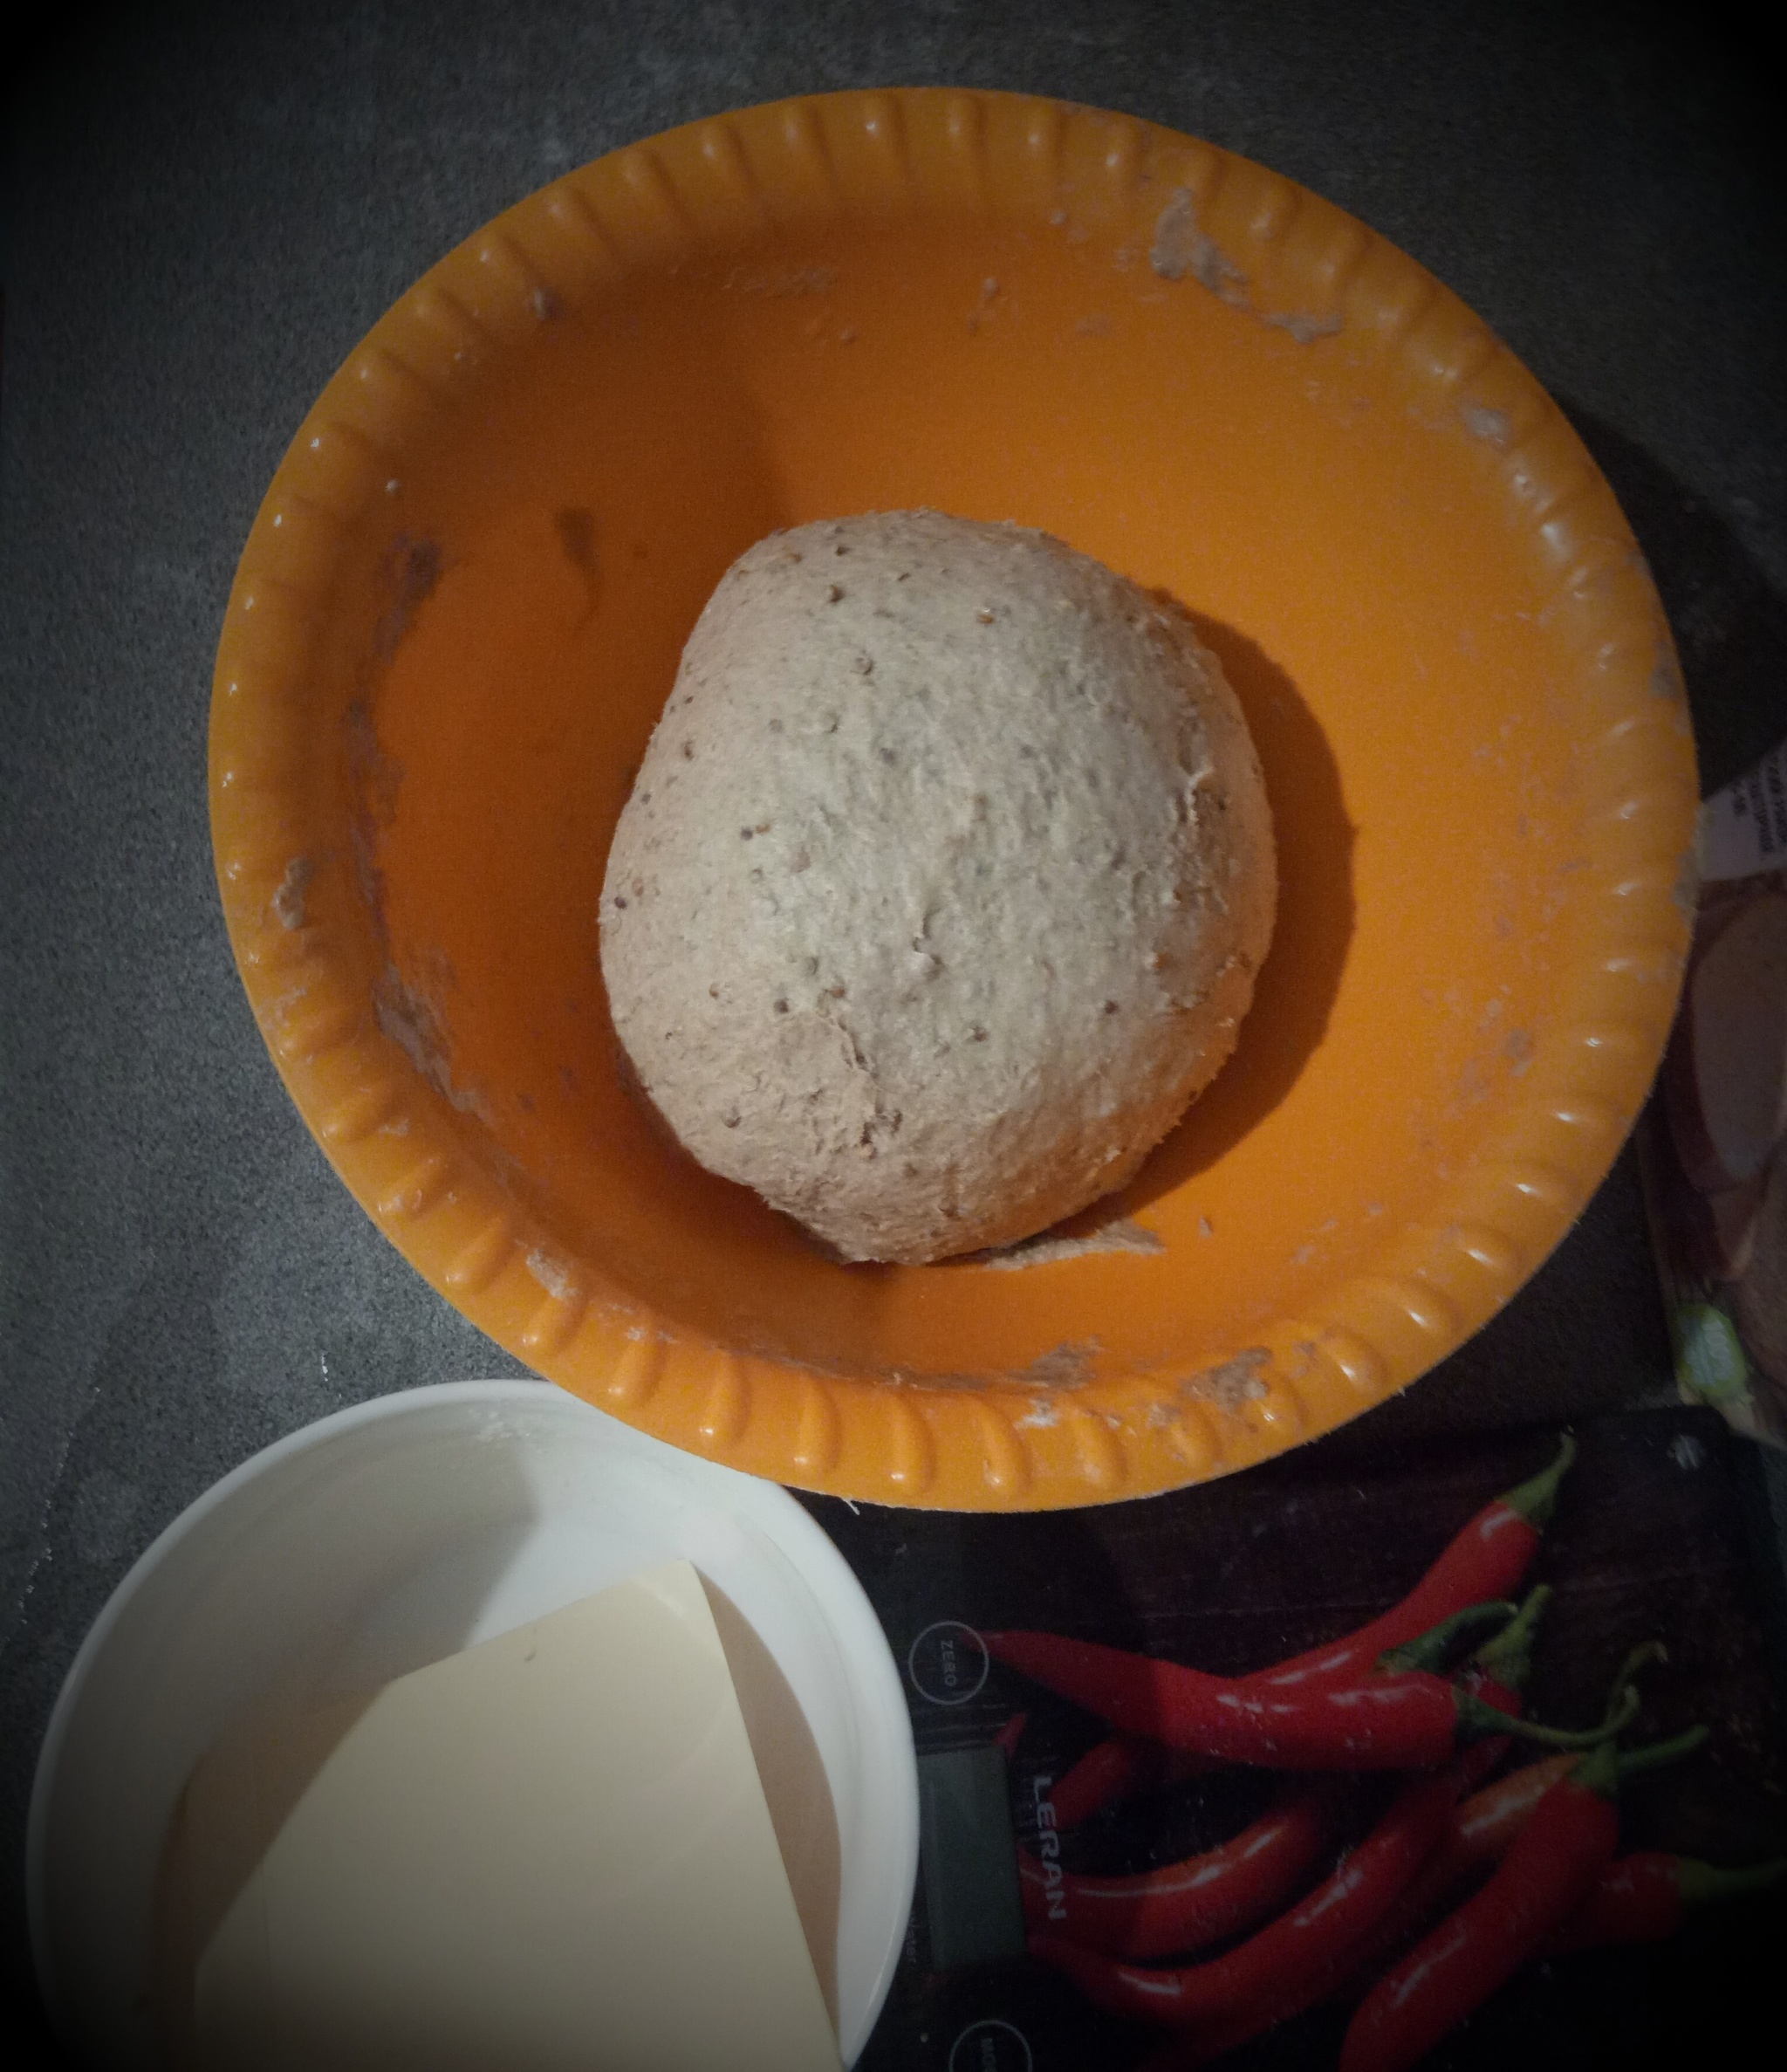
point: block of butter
(551, 1850)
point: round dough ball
(943, 883)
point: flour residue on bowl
(552, 1274)
(1049, 1248)
(414, 565)
(288, 901)
(1304, 328)
(1181, 246)
(377, 774)
(1235, 1382)
(1068, 1365)
(413, 1022)
(1493, 428)
(782, 280)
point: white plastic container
(383, 1537)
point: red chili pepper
(1548, 1872)
(1497, 1675)
(1333, 1918)
(1113, 1770)
(1488, 1559)
(1479, 1834)
(1402, 1720)
(1501, 1666)
(1184, 1906)
(1313, 1983)
(1488, 1820)
(1485, 1824)
(1434, 1649)
(1127, 1763)
(1477, 1838)
(1645, 1896)
(1310, 1985)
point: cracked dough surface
(942, 885)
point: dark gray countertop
(205, 207)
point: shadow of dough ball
(942, 885)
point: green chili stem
(1508, 1655)
(1632, 1760)
(1477, 1721)
(1433, 1649)
(1698, 1883)
(1641, 1657)
(1598, 1771)
(1535, 1499)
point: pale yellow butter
(551, 1850)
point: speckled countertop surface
(207, 204)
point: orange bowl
(461, 609)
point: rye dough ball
(943, 883)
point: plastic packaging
(1711, 1142)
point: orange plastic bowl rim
(461, 608)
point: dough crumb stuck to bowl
(943, 883)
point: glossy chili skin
(1489, 1820)
(1126, 1762)
(1313, 1983)
(1216, 2037)
(1487, 1559)
(1188, 1905)
(1549, 1868)
(1636, 1898)
(1306, 1986)
(1647, 1895)
(1477, 1838)
(1333, 1915)
(1641, 1897)
(1107, 1772)
(1403, 1720)
(1112, 1770)
(1011, 1733)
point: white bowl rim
(902, 1784)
